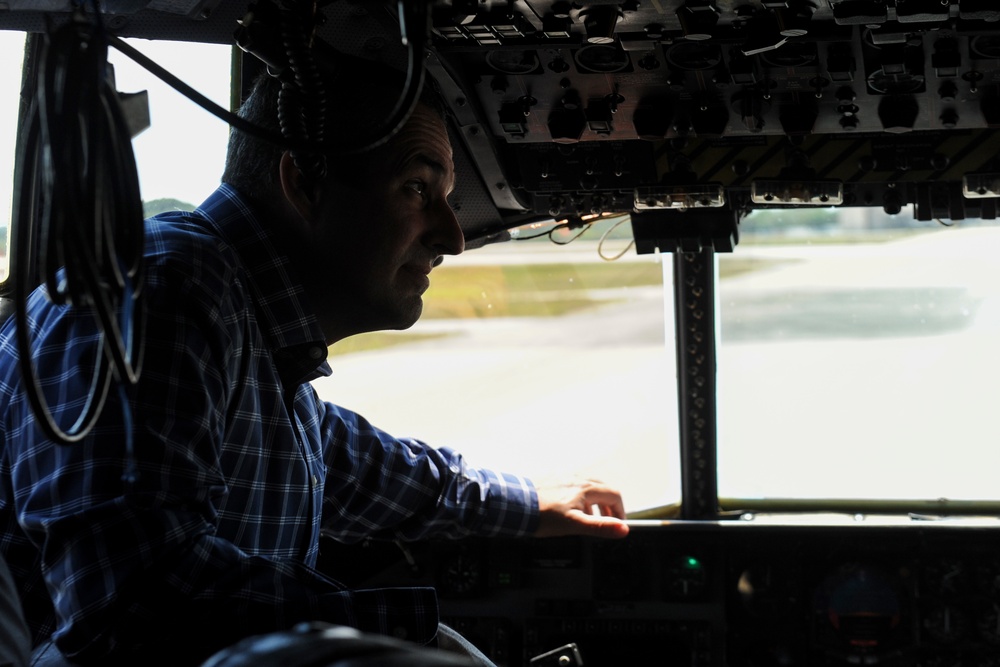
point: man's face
(377, 240)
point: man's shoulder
(180, 230)
(180, 245)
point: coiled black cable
(302, 100)
(414, 25)
(414, 19)
(80, 169)
(303, 62)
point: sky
(181, 155)
(11, 49)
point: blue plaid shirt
(239, 465)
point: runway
(865, 371)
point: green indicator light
(693, 563)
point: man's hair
(358, 101)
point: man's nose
(447, 237)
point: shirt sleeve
(402, 488)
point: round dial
(694, 55)
(988, 624)
(792, 54)
(685, 577)
(945, 576)
(513, 62)
(945, 624)
(887, 83)
(987, 577)
(601, 59)
(860, 607)
(460, 574)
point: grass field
(532, 290)
(526, 290)
(554, 289)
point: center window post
(696, 331)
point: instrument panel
(714, 593)
(726, 105)
(711, 108)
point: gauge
(460, 574)
(694, 55)
(945, 576)
(601, 59)
(513, 62)
(797, 54)
(859, 604)
(988, 624)
(944, 659)
(985, 46)
(770, 589)
(685, 578)
(886, 83)
(987, 577)
(945, 623)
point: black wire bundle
(80, 169)
(414, 27)
(302, 104)
(297, 47)
(302, 99)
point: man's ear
(296, 188)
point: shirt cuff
(511, 507)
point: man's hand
(582, 508)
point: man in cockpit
(206, 530)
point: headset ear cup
(374, 99)
(302, 104)
(305, 137)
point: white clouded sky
(11, 50)
(182, 154)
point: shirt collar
(286, 318)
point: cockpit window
(856, 355)
(848, 342)
(180, 157)
(860, 361)
(12, 55)
(536, 358)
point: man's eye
(417, 186)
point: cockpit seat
(324, 645)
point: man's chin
(409, 316)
